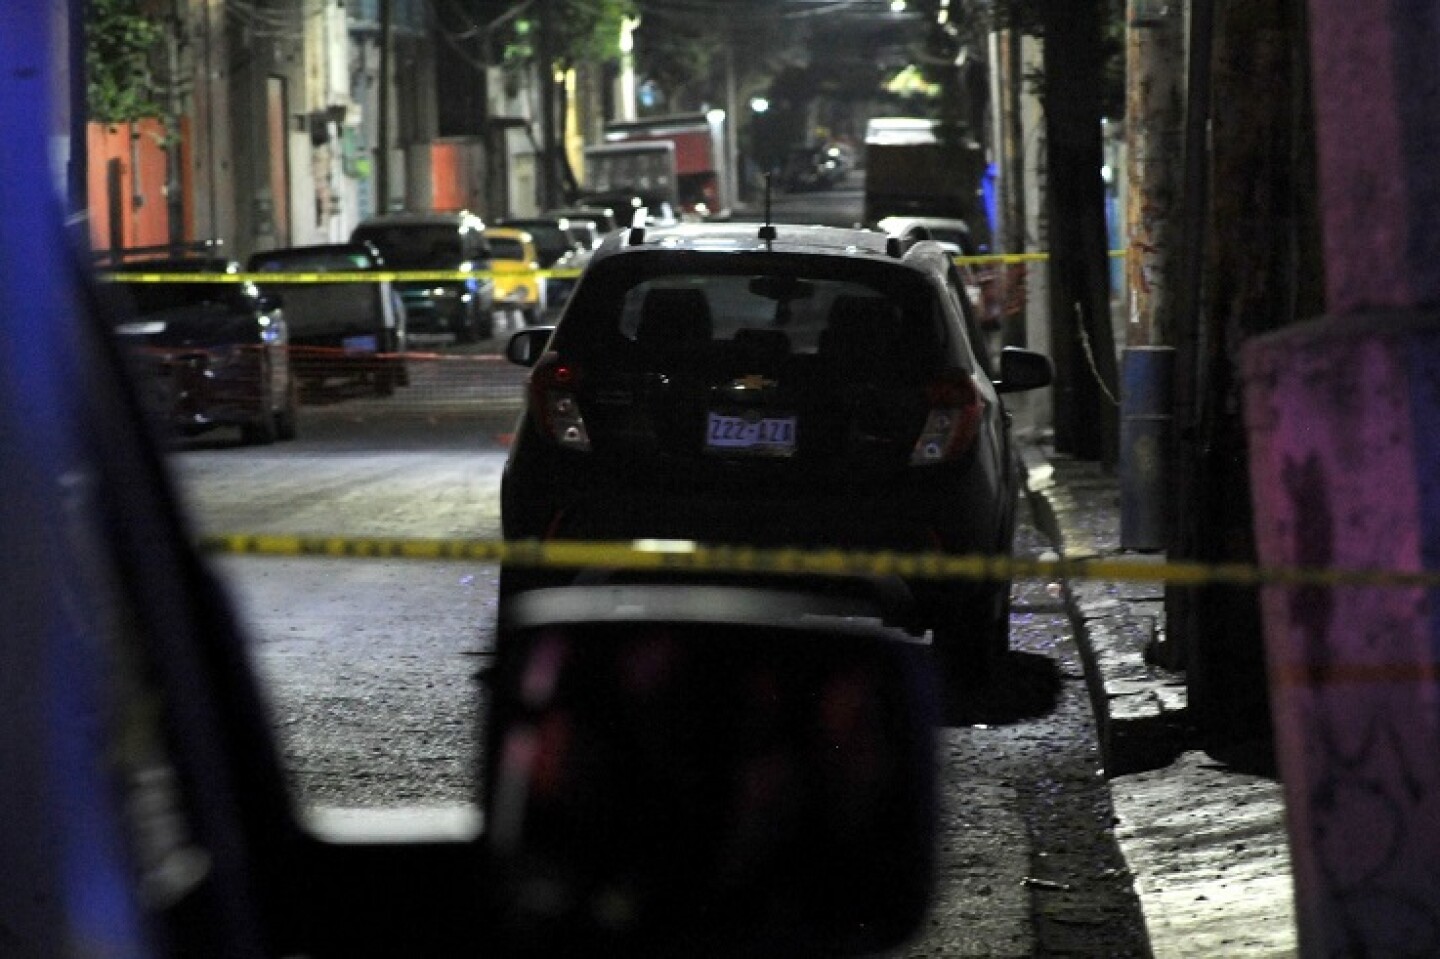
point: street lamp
(759, 104)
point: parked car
(437, 242)
(351, 330)
(564, 275)
(209, 354)
(557, 247)
(550, 234)
(808, 386)
(582, 235)
(659, 210)
(515, 260)
(953, 235)
(604, 217)
(585, 234)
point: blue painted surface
(1146, 404)
(990, 196)
(83, 902)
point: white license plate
(359, 344)
(770, 435)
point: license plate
(768, 435)
(359, 344)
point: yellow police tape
(441, 276)
(339, 276)
(685, 556)
(1007, 258)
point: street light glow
(897, 6)
(759, 104)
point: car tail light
(953, 421)
(553, 404)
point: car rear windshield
(503, 248)
(146, 298)
(551, 242)
(415, 246)
(723, 297)
(318, 261)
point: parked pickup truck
(347, 330)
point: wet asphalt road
(372, 667)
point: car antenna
(767, 232)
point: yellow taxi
(515, 265)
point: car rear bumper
(427, 313)
(957, 509)
(899, 523)
(352, 354)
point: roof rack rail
(637, 228)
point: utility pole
(1193, 235)
(1082, 342)
(382, 149)
(1263, 268)
(1154, 111)
(1154, 100)
(174, 191)
(549, 185)
(1011, 147)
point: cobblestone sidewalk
(1204, 838)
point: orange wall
(148, 223)
(455, 174)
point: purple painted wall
(1343, 415)
(1333, 426)
(1376, 69)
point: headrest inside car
(671, 316)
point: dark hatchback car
(443, 243)
(820, 387)
(210, 354)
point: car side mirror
(526, 347)
(679, 770)
(1022, 370)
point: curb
(1141, 711)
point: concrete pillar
(1343, 418)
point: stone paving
(1203, 835)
